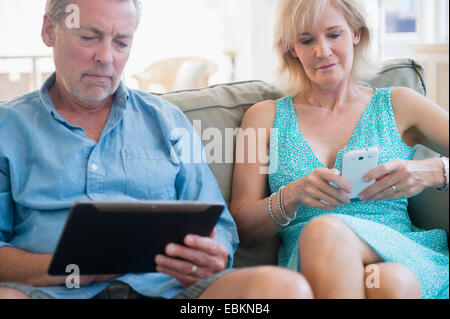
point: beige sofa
(223, 106)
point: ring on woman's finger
(193, 270)
(394, 189)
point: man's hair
(57, 9)
(295, 15)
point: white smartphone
(356, 164)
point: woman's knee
(10, 293)
(394, 281)
(262, 282)
(281, 283)
(324, 232)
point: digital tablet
(120, 238)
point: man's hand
(202, 257)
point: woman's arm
(250, 186)
(419, 121)
(249, 203)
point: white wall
(259, 60)
(20, 27)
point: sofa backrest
(218, 110)
(221, 107)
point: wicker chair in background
(164, 73)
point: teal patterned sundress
(385, 226)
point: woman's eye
(87, 38)
(335, 35)
(306, 41)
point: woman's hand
(315, 190)
(402, 178)
(201, 257)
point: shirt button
(94, 167)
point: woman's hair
(57, 9)
(295, 15)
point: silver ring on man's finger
(193, 270)
(394, 189)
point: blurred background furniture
(23, 74)
(14, 84)
(178, 73)
(435, 60)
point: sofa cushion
(401, 72)
(223, 106)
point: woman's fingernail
(362, 197)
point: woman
(364, 247)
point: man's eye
(122, 44)
(87, 38)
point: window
(400, 16)
(401, 23)
(443, 10)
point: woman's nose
(323, 49)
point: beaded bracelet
(281, 206)
(275, 220)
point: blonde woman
(361, 248)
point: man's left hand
(202, 257)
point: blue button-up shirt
(46, 164)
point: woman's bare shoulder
(401, 92)
(410, 103)
(261, 114)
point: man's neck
(65, 102)
(92, 117)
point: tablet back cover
(124, 238)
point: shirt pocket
(149, 175)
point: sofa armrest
(429, 209)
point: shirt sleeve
(6, 210)
(195, 181)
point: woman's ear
(48, 31)
(293, 53)
(356, 37)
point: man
(84, 135)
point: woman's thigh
(259, 282)
(391, 280)
(328, 235)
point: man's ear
(48, 31)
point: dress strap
(285, 115)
